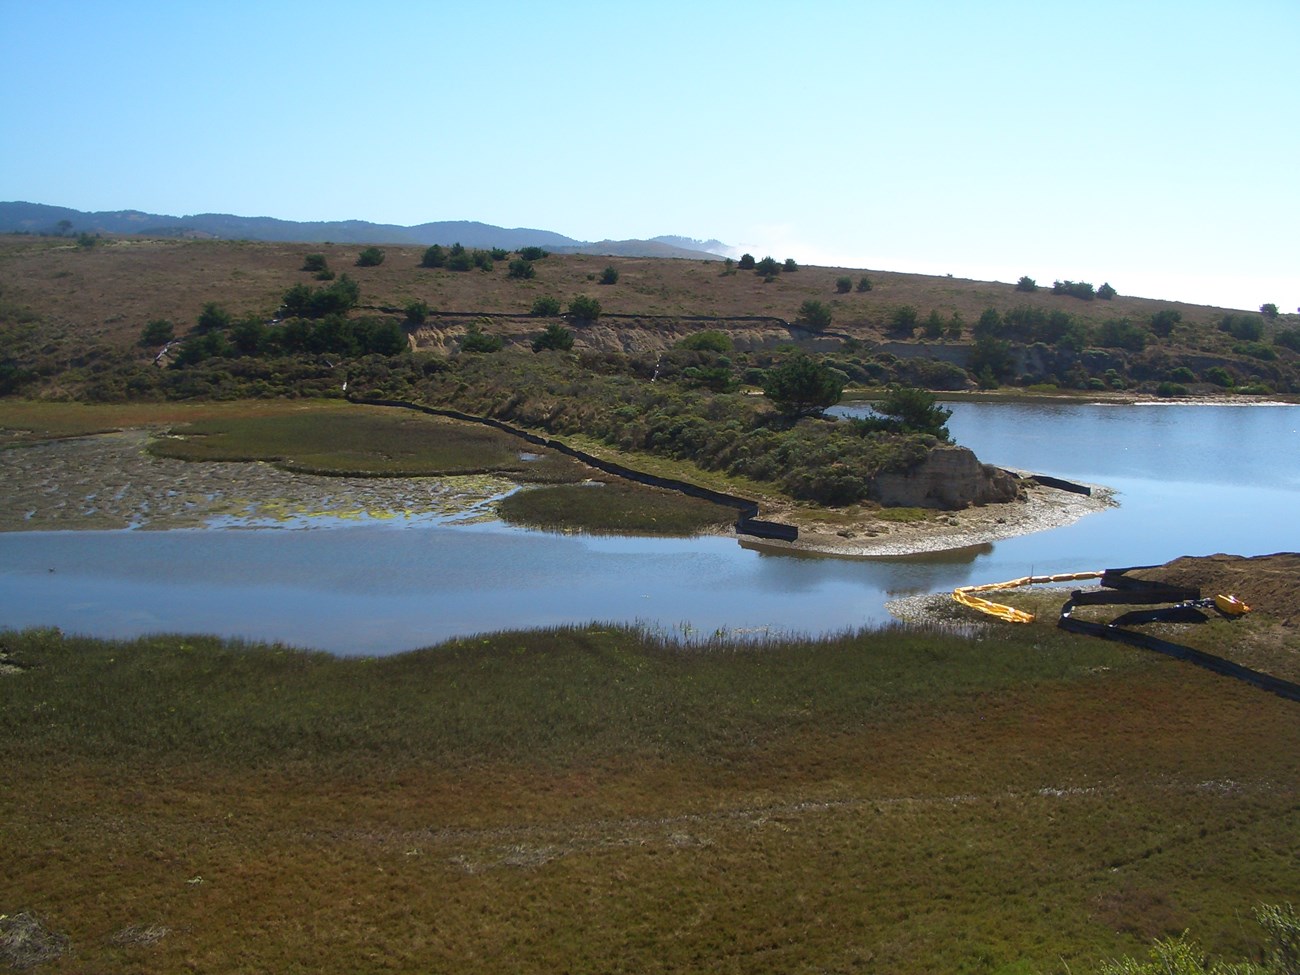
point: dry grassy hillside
(108, 292)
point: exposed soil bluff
(949, 478)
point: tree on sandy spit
(802, 386)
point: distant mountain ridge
(40, 218)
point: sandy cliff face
(949, 477)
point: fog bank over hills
(40, 218)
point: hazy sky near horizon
(1153, 145)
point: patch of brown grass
(108, 293)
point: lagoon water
(1189, 479)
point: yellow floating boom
(964, 594)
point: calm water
(1191, 480)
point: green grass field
(599, 800)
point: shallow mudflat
(110, 481)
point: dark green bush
(370, 257)
(546, 307)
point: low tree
(370, 257)
(546, 307)
(609, 275)
(158, 332)
(1268, 310)
(864, 283)
(914, 410)
(709, 340)
(521, 269)
(844, 284)
(584, 308)
(314, 262)
(746, 262)
(555, 337)
(802, 386)
(790, 266)
(476, 340)
(1163, 321)
(1106, 292)
(434, 256)
(532, 253)
(767, 268)
(902, 321)
(1076, 289)
(249, 337)
(1027, 283)
(482, 260)
(213, 318)
(417, 311)
(815, 315)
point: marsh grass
(604, 799)
(614, 508)
(342, 439)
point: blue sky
(1152, 145)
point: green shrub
(609, 275)
(476, 340)
(314, 262)
(767, 268)
(1076, 289)
(790, 266)
(417, 312)
(584, 308)
(802, 386)
(1218, 376)
(158, 332)
(1243, 327)
(864, 283)
(902, 320)
(746, 262)
(1106, 292)
(843, 284)
(815, 315)
(556, 337)
(1027, 283)
(434, 256)
(546, 307)
(532, 253)
(482, 260)
(1256, 350)
(370, 257)
(213, 317)
(709, 340)
(1163, 321)
(521, 269)
(1182, 375)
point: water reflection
(1191, 481)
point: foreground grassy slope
(590, 800)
